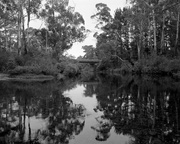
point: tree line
(145, 30)
(26, 49)
(64, 26)
(143, 37)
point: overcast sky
(87, 8)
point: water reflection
(108, 109)
(38, 113)
(147, 109)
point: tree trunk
(149, 35)
(154, 29)
(6, 38)
(46, 41)
(28, 12)
(162, 34)
(24, 44)
(139, 50)
(140, 42)
(177, 35)
(19, 27)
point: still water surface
(100, 110)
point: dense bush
(87, 71)
(87, 68)
(25, 70)
(104, 65)
(173, 66)
(71, 69)
(4, 56)
(47, 65)
(157, 65)
(68, 67)
(11, 63)
(43, 64)
(23, 60)
(126, 67)
(36, 65)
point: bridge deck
(90, 61)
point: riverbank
(158, 65)
(26, 77)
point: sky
(87, 8)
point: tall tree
(90, 52)
(102, 15)
(30, 7)
(177, 29)
(19, 26)
(8, 18)
(66, 25)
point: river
(96, 110)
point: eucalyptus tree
(30, 7)
(167, 12)
(146, 11)
(19, 3)
(26, 8)
(12, 23)
(113, 37)
(129, 26)
(176, 12)
(8, 17)
(146, 28)
(139, 23)
(65, 26)
(102, 15)
(90, 52)
(7, 13)
(104, 34)
(161, 14)
(104, 21)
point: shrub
(25, 70)
(4, 56)
(38, 65)
(24, 60)
(71, 69)
(138, 67)
(11, 63)
(86, 68)
(19, 60)
(60, 67)
(43, 64)
(126, 67)
(173, 66)
(104, 65)
(47, 65)
(153, 64)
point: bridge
(88, 61)
(93, 62)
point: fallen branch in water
(124, 61)
(119, 58)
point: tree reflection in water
(147, 109)
(22, 103)
(103, 129)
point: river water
(95, 110)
